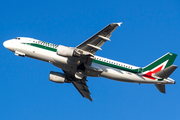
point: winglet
(119, 24)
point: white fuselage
(100, 66)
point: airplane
(79, 62)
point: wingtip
(91, 99)
(119, 24)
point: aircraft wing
(95, 42)
(90, 46)
(80, 84)
(82, 87)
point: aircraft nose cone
(8, 44)
(5, 44)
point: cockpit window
(17, 38)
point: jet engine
(58, 77)
(67, 51)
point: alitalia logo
(47, 44)
(149, 74)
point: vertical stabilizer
(161, 63)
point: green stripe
(95, 61)
(117, 67)
(42, 46)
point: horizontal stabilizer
(165, 73)
(160, 87)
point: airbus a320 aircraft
(79, 62)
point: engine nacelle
(67, 51)
(58, 77)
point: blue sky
(150, 29)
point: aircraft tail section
(161, 63)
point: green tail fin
(161, 63)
